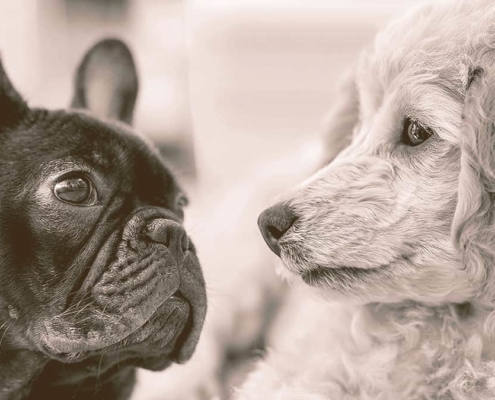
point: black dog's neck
(81, 381)
(31, 375)
(18, 371)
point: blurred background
(262, 73)
(238, 82)
(226, 87)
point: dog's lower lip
(314, 276)
(79, 355)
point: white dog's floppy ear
(473, 227)
(12, 106)
(106, 81)
(343, 116)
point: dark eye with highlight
(180, 203)
(413, 133)
(76, 190)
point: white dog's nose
(274, 222)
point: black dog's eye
(75, 190)
(414, 134)
(182, 201)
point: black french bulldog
(97, 274)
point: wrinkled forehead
(62, 141)
(105, 142)
(119, 148)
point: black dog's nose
(274, 222)
(169, 233)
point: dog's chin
(155, 344)
(327, 277)
(339, 283)
(352, 285)
(385, 284)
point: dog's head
(94, 261)
(404, 211)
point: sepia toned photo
(247, 200)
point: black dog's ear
(12, 107)
(106, 81)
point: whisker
(4, 332)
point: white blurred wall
(263, 72)
(257, 74)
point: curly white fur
(399, 241)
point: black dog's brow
(64, 165)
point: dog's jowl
(97, 274)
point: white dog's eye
(413, 133)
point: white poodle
(390, 247)
(397, 233)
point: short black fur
(86, 293)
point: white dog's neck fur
(409, 344)
(405, 345)
(377, 351)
